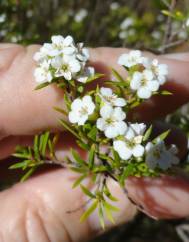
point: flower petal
(144, 93)
(118, 114)
(101, 124)
(111, 132)
(122, 149)
(121, 127)
(68, 41)
(77, 104)
(138, 150)
(73, 118)
(136, 81)
(120, 102)
(153, 85)
(106, 111)
(106, 91)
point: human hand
(42, 198)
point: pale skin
(37, 210)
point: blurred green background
(132, 23)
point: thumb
(41, 205)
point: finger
(46, 208)
(176, 136)
(165, 197)
(23, 110)
(8, 144)
(45, 194)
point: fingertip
(163, 198)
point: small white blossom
(42, 73)
(88, 72)
(160, 71)
(66, 67)
(2, 18)
(183, 34)
(79, 17)
(133, 58)
(3, 32)
(123, 34)
(131, 145)
(65, 59)
(144, 84)
(59, 46)
(109, 97)
(159, 155)
(111, 121)
(81, 109)
(187, 22)
(114, 5)
(82, 53)
(29, 13)
(156, 34)
(126, 23)
(62, 45)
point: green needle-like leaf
(89, 211)
(162, 136)
(28, 174)
(92, 156)
(147, 133)
(69, 128)
(79, 180)
(44, 143)
(77, 157)
(40, 86)
(87, 192)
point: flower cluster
(62, 59)
(146, 75)
(127, 138)
(98, 118)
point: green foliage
(35, 156)
(26, 23)
(32, 21)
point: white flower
(131, 145)
(81, 15)
(123, 34)
(114, 5)
(160, 71)
(42, 73)
(156, 34)
(109, 97)
(65, 67)
(65, 60)
(59, 45)
(111, 121)
(187, 22)
(133, 58)
(40, 57)
(144, 84)
(88, 72)
(81, 109)
(183, 34)
(126, 23)
(159, 155)
(82, 53)
(2, 18)
(135, 130)
(63, 45)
